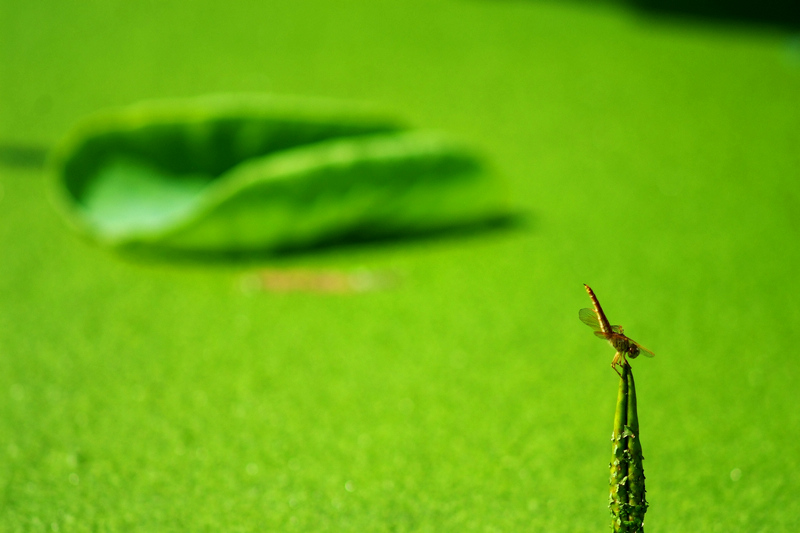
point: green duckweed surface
(654, 159)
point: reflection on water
(318, 281)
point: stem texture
(627, 493)
(636, 490)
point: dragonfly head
(633, 351)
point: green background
(655, 159)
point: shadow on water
(352, 242)
(781, 13)
(22, 155)
(776, 13)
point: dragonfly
(624, 346)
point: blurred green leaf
(245, 173)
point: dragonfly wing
(589, 318)
(644, 351)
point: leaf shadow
(350, 243)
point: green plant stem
(627, 494)
(618, 496)
(636, 490)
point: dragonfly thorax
(621, 343)
(624, 345)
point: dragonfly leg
(616, 362)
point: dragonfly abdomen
(601, 316)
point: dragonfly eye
(633, 351)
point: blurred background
(650, 149)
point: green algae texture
(654, 157)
